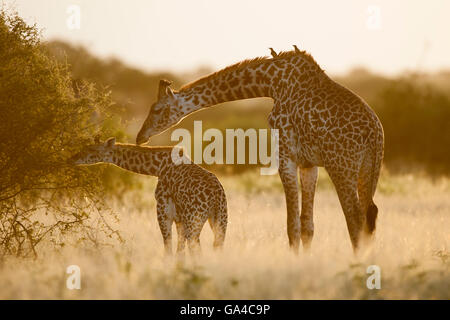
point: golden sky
(383, 36)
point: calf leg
(193, 227)
(164, 209)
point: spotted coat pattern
(186, 193)
(320, 123)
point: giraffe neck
(144, 160)
(261, 77)
(223, 86)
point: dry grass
(411, 248)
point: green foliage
(45, 117)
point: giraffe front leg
(308, 178)
(164, 209)
(288, 175)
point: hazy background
(182, 35)
(395, 55)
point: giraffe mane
(252, 62)
(306, 55)
(144, 148)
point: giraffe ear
(110, 142)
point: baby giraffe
(185, 194)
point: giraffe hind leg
(346, 187)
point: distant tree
(416, 121)
(133, 90)
(43, 120)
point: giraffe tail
(371, 217)
(220, 218)
(372, 211)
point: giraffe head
(95, 153)
(163, 114)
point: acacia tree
(44, 118)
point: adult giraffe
(320, 122)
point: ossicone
(163, 86)
(110, 142)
